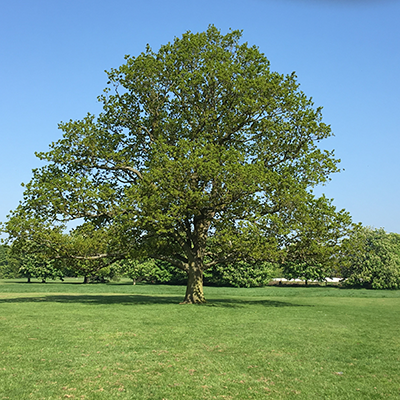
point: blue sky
(346, 54)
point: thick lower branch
(175, 261)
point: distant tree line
(368, 258)
(36, 265)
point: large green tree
(202, 156)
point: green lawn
(68, 340)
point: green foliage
(237, 275)
(371, 258)
(305, 271)
(241, 274)
(37, 266)
(149, 271)
(97, 270)
(9, 266)
(103, 275)
(202, 156)
(169, 274)
(311, 254)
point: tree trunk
(85, 279)
(194, 289)
(29, 279)
(195, 248)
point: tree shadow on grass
(38, 282)
(143, 300)
(238, 303)
(96, 299)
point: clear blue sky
(346, 54)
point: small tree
(202, 156)
(371, 258)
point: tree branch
(178, 263)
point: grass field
(68, 340)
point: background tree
(54, 254)
(202, 156)
(313, 246)
(371, 258)
(9, 266)
(143, 271)
(30, 263)
(305, 271)
(242, 274)
(37, 266)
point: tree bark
(85, 279)
(194, 288)
(195, 248)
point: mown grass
(66, 340)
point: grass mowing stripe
(146, 346)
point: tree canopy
(370, 258)
(202, 156)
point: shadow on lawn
(143, 299)
(237, 303)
